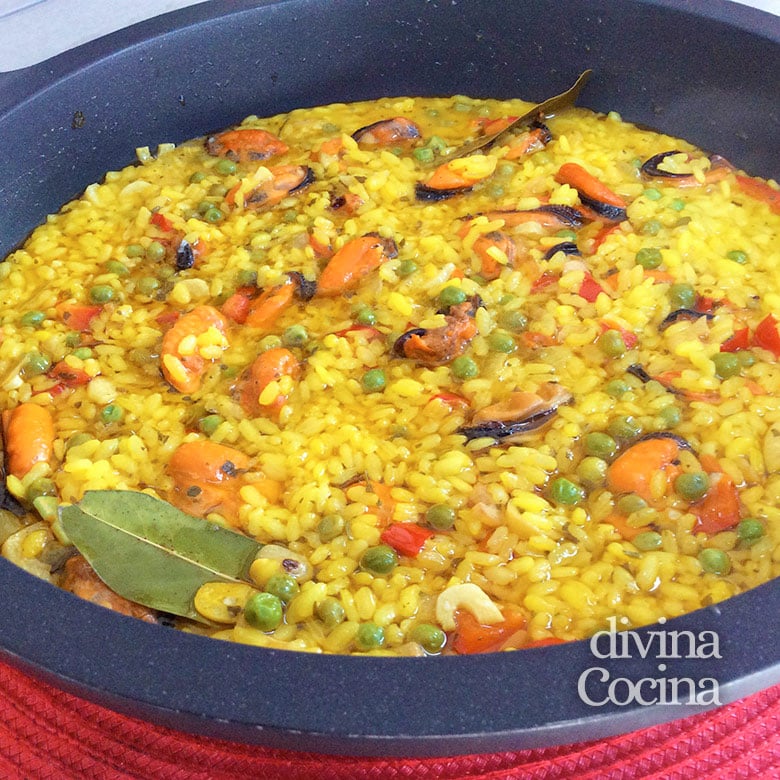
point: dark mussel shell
(650, 167)
(307, 178)
(398, 130)
(684, 444)
(683, 314)
(566, 215)
(430, 194)
(185, 257)
(567, 247)
(606, 210)
(398, 345)
(497, 430)
(306, 289)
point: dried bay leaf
(152, 553)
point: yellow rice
(563, 566)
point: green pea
(692, 486)
(155, 251)
(616, 388)
(291, 215)
(36, 364)
(750, 530)
(115, 267)
(437, 144)
(682, 295)
(246, 278)
(430, 637)
(330, 527)
(677, 204)
(43, 486)
(381, 559)
(463, 108)
(651, 228)
(451, 296)
(649, 257)
(495, 190)
(602, 445)
(32, 319)
(500, 341)
(283, 586)
(226, 167)
(624, 427)
(197, 177)
(738, 256)
(374, 380)
(148, 285)
(631, 503)
(592, 470)
(365, 317)
(513, 320)
(440, 516)
(134, 250)
(670, 416)
(101, 293)
(464, 367)
(204, 206)
(564, 491)
(330, 612)
(329, 127)
(746, 358)
(505, 169)
(369, 636)
(611, 343)
(72, 339)
(263, 611)
(406, 268)
(423, 154)
(77, 439)
(213, 215)
(111, 413)
(209, 423)
(82, 353)
(726, 364)
(648, 540)
(218, 190)
(295, 336)
(651, 193)
(567, 235)
(714, 561)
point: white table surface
(33, 30)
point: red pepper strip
(77, 316)
(474, 637)
(704, 304)
(161, 221)
(760, 191)
(406, 538)
(767, 335)
(590, 289)
(54, 390)
(370, 332)
(550, 640)
(545, 280)
(237, 305)
(68, 376)
(719, 509)
(533, 339)
(451, 399)
(740, 340)
(167, 318)
(602, 236)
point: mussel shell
(567, 247)
(606, 210)
(306, 289)
(683, 444)
(682, 314)
(567, 215)
(398, 345)
(650, 167)
(185, 257)
(431, 195)
(495, 429)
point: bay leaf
(150, 552)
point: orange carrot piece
(269, 306)
(77, 316)
(587, 184)
(633, 469)
(622, 527)
(354, 261)
(29, 437)
(267, 367)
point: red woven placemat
(48, 734)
